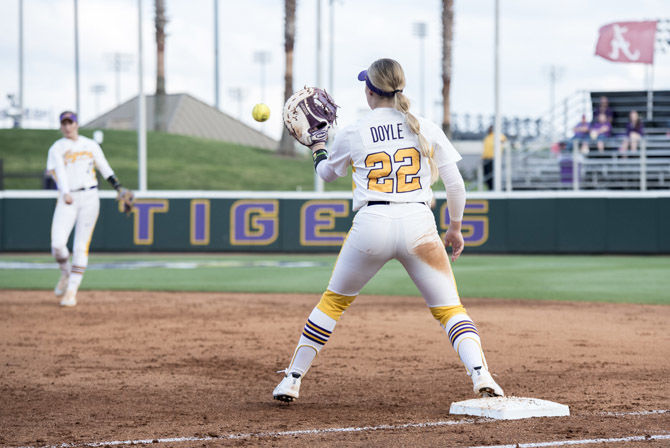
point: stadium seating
(534, 170)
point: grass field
(175, 162)
(624, 279)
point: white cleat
(288, 389)
(484, 385)
(60, 288)
(69, 299)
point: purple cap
(363, 76)
(68, 115)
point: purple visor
(67, 115)
(363, 76)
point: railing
(571, 170)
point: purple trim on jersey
(363, 76)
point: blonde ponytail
(388, 75)
(402, 104)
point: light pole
(262, 57)
(76, 54)
(141, 109)
(17, 121)
(96, 90)
(119, 62)
(237, 94)
(555, 73)
(420, 31)
(216, 54)
(318, 182)
(497, 149)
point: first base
(509, 408)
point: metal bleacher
(646, 168)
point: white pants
(406, 232)
(82, 214)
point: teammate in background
(396, 156)
(634, 132)
(488, 154)
(72, 161)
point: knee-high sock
(314, 336)
(320, 325)
(76, 274)
(464, 337)
(462, 334)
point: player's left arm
(124, 195)
(331, 165)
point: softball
(261, 112)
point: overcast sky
(534, 36)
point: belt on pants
(389, 202)
(85, 188)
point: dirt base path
(199, 369)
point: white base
(509, 408)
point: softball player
(395, 158)
(72, 161)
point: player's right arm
(445, 157)
(56, 165)
(453, 183)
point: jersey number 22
(380, 177)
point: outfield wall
(195, 221)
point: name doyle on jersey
(386, 132)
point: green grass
(630, 279)
(175, 162)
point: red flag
(627, 42)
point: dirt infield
(200, 368)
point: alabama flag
(627, 42)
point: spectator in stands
(599, 132)
(604, 108)
(634, 132)
(488, 155)
(581, 131)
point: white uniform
(392, 191)
(72, 164)
(388, 166)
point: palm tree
(286, 144)
(447, 41)
(159, 100)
